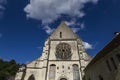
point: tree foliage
(8, 69)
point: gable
(63, 32)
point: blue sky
(25, 25)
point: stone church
(63, 58)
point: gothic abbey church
(63, 58)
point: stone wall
(107, 68)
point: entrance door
(63, 79)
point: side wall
(106, 68)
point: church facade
(63, 58)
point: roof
(105, 51)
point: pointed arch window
(31, 77)
(52, 72)
(76, 75)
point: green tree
(8, 69)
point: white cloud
(2, 7)
(75, 29)
(50, 10)
(48, 29)
(82, 25)
(87, 45)
(73, 25)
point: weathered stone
(68, 65)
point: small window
(108, 65)
(113, 62)
(100, 77)
(60, 34)
(68, 67)
(35, 64)
(62, 66)
(57, 67)
(118, 57)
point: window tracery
(63, 51)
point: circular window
(63, 51)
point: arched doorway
(31, 77)
(63, 79)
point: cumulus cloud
(2, 7)
(48, 29)
(50, 10)
(87, 45)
